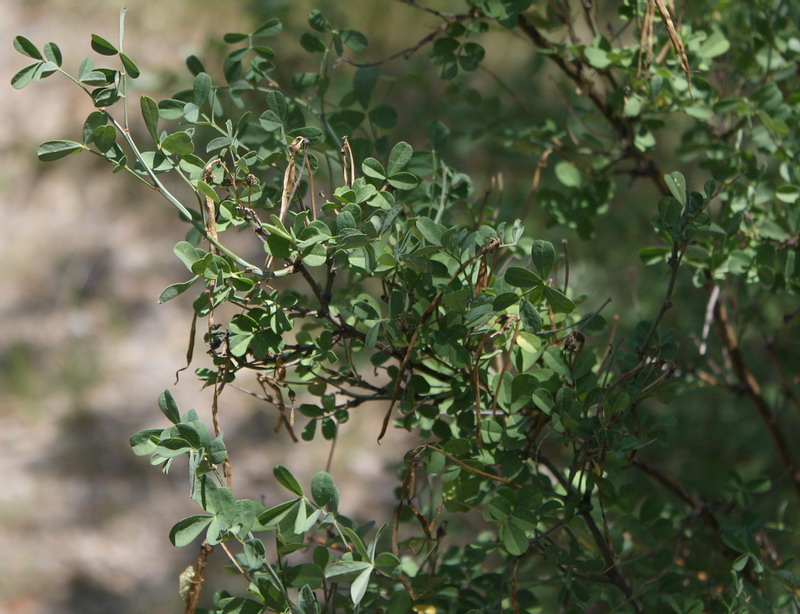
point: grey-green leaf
(24, 76)
(53, 53)
(324, 491)
(359, 586)
(53, 150)
(398, 158)
(26, 47)
(269, 28)
(403, 181)
(170, 292)
(372, 168)
(169, 407)
(202, 89)
(185, 531)
(285, 478)
(150, 115)
(178, 143)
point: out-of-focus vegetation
(636, 458)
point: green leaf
(242, 605)
(234, 37)
(270, 121)
(372, 336)
(44, 70)
(324, 491)
(275, 514)
(558, 300)
(470, 56)
(102, 46)
(677, 186)
(150, 115)
(359, 586)
(26, 47)
(143, 442)
(383, 116)
(277, 103)
(543, 254)
(530, 318)
(178, 143)
(430, 230)
(269, 28)
(93, 121)
(201, 89)
(194, 65)
(130, 66)
(173, 447)
(53, 150)
(715, 45)
(207, 191)
(596, 57)
(364, 83)
(372, 168)
(438, 134)
(285, 478)
(170, 292)
(53, 53)
(306, 574)
(104, 137)
(24, 76)
(354, 39)
(311, 43)
(505, 300)
(105, 97)
(398, 158)
(304, 81)
(185, 531)
(188, 253)
(343, 569)
(522, 278)
(386, 562)
(357, 542)
(318, 22)
(513, 538)
(312, 133)
(403, 181)
(307, 601)
(169, 407)
(568, 175)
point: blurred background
(85, 350)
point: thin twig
(752, 390)
(197, 581)
(406, 53)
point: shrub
(535, 416)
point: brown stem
(472, 469)
(752, 390)
(197, 582)
(574, 71)
(678, 252)
(786, 383)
